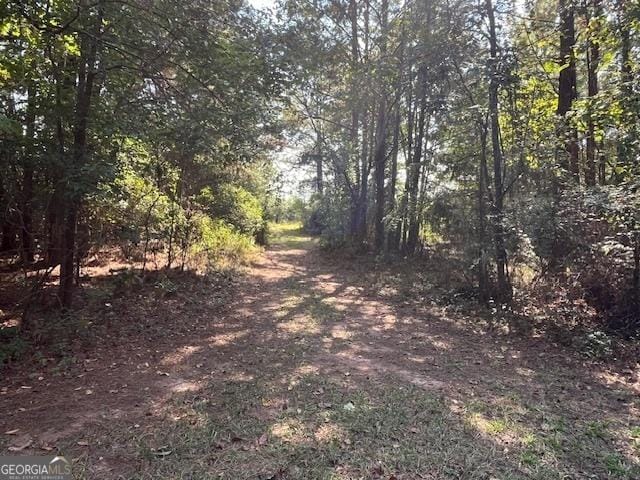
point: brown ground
(317, 369)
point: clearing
(318, 369)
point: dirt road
(318, 368)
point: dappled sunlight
(287, 305)
(438, 343)
(301, 325)
(305, 370)
(416, 359)
(329, 288)
(385, 323)
(180, 355)
(329, 432)
(184, 386)
(239, 377)
(388, 291)
(491, 427)
(302, 377)
(630, 378)
(355, 360)
(342, 304)
(327, 342)
(289, 430)
(342, 333)
(227, 338)
(525, 372)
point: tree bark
(414, 169)
(319, 160)
(403, 225)
(380, 153)
(483, 272)
(55, 207)
(567, 88)
(392, 235)
(503, 287)
(594, 168)
(73, 199)
(27, 178)
(624, 144)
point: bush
(220, 244)
(588, 242)
(12, 345)
(142, 218)
(327, 217)
(236, 206)
(130, 212)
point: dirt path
(319, 370)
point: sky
(285, 160)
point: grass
(289, 235)
(324, 428)
(275, 411)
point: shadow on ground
(312, 374)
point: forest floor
(313, 366)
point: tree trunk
(594, 166)
(414, 169)
(8, 227)
(73, 199)
(403, 225)
(503, 293)
(380, 152)
(55, 208)
(360, 227)
(483, 273)
(567, 88)
(27, 178)
(319, 169)
(392, 235)
(624, 145)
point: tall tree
(567, 88)
(595, 167)
(380, 151)
(503, 285)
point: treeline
(505, 131)
(135, 123)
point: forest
(321, 239)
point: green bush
(12, 345)
(130, 211)
(328, 217)
(221, 245)
(236, 206)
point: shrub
(589, 242)
(221, 245)
(12, 345)
(327, 217)
(235, 205)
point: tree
(567, 88)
